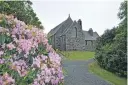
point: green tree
(22, 10)
(111, 47)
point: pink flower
(55, 58)
(55, 81)
(45, 41)
(49, 48)
(35, 83)
(48, 71)
(60, 75)
(15, 39)
(36, 62)
(43, 57)
(25, 45)
(35, 44)
(7, 80)
(15, 30)
(53, 70)
(26, 40)
(10, 46)
(19, 50)
(43, 66)
(43, 72)
(20, 66)
(22, 72)
(47, 79)
(1, 61)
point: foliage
(78, 55)
(22, 10)
(112, 78)
(111, 51)
(26, 58)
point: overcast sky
(96, 14)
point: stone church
(69, 35)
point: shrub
(111, 47)
(26, 58)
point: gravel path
(78, 74)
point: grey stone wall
(89, 45)
(59, 40)
(63, 42)
(74, 39)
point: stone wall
(59, 40)
(63, 42)
(89, 45)
(74, 39)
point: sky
(96, 14)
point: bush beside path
(109, 76)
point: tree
(22, 10)
(111, 47)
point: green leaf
(8, 39)
(2, 38)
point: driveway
(78, 73)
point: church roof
(70, 26)
(65, 24)
(89, 37)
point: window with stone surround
(86, 42)
(75, 32)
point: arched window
(75, 32)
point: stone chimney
(80, 23)
(90, 31)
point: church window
(76, 32)
(92, 42)
(85, 42)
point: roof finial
(69, 15)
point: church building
(68, 36)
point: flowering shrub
(26, 58)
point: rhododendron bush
(26, 58)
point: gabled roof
(70, 26)
(54, 30)
(89, 37)
(65, 23)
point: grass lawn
(78, 55)
(115, 80)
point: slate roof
(67, 24)
(89, 37)
(70, 26)
(54, 30)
